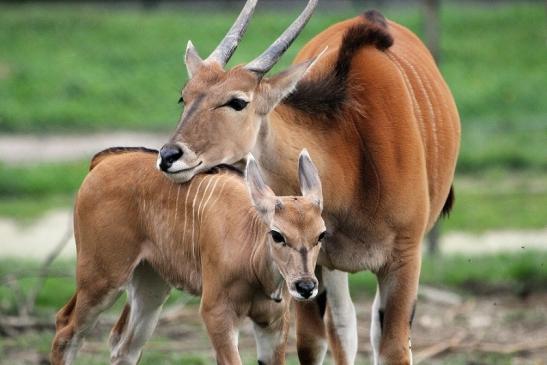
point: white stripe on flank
(432, 115)
(417, 110)
(169, 192)
(176, 206)
(210, 179)
(219, 193)
(209, 197)
(194, 220)
(185, 207)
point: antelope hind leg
(75, 320)
(147, 292)
(393, 310)
(271, 327)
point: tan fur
(386, 159)
(136, 229)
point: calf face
(295, 224)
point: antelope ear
(192, 59)
(262, 196)
(276, 88)
(310, 184)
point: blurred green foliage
(482, 201)
(518, 273)
(511, 273)
(84, 68)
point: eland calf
(138, 231)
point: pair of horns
(263, 63)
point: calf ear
(310, 184)
(276, 88)
(262, 196)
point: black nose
(305, 287)
(169, 153)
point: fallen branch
(507, 349)
(439, 348)
(12, 325)
(455, 344)
(30, 302)
(439, 296)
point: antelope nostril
(169, 153)
(305, 287)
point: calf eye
(277, 237)
(237, 104)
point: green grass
(515, 273)
(41, 180)
(498, 200)
(495, 199)
(510, 273)
(94, 68)
(27, 209)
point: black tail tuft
(326, 95)
(447, 208)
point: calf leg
(147, 292)
(222, 327)
(341, 318)
(77, 317)
(311, 334)
(271, 339)
(393, 308)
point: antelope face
(296, 226)
(295, 240)
(224, 109)
(219, 124)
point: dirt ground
(472, 331)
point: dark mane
(117, 150)
(224, 167)
(325, 95)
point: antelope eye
(277, 237)
(321, 236)
(237, 104)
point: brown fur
(383, 128)
(204, 237)
(325, 96)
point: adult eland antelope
(137, 230)
(367, 100)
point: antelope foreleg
(221, 323)
(341, 318)
(311, 333)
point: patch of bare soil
(492, 330)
